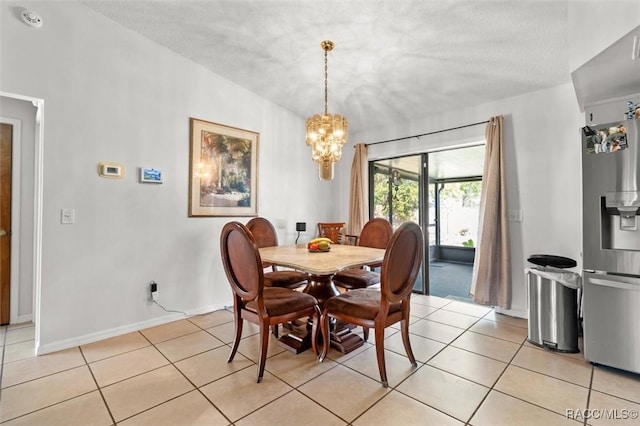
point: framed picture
(150, 175)
(223, 170)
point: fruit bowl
(319, 245)
(319, 250)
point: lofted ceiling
(394, 60)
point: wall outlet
(153, 290)
(301, 226)
(514, 215)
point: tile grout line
(49, 375)
(423, 364)
(522, 345)
(151, 344)
(297, 388)
(341, 363)
(104, 401)
(492, 388)
(293, 388)
(228, 345)
(55, 403)
(533, 371)
(196, 388)
(468, 329)
(99, 388)
(4, 350)
(589, 394)
(495, 383)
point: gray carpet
(450, 280)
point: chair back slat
(331, 230)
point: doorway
(395, 191)
(26, 115)
(442, 190)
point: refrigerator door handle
(615, 284)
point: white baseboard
(518, 313)
(23, 318)
(117, 331)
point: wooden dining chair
(252, 301)
(376, 233)
(332, 230)
(378, 309)
(265, 235)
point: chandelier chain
(326, 74)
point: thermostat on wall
(111, 170)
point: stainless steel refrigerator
(611, 244)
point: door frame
(423, 213)
(37, 213)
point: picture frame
(223, 170)
(150, 175)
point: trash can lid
(551, 260)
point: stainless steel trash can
(553, 308)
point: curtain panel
(358, 198)
(490, 283)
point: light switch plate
(514, 215)
(67, 216)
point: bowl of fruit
(319, 245)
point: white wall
(112, 95)
(542, 151)
(595, 24)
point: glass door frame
(423, 213)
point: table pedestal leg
(299, 338)
(342, 339)
(321, 287)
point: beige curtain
(491, 269)
(358, 198)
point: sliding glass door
(396, 194)
(442, 190)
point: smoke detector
(31, 18)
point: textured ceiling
(393, 60)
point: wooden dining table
(320, 268)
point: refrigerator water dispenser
(619, 217)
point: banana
(320, 239)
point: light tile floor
(474, 367)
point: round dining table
(320, 267)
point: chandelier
(326, 134)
